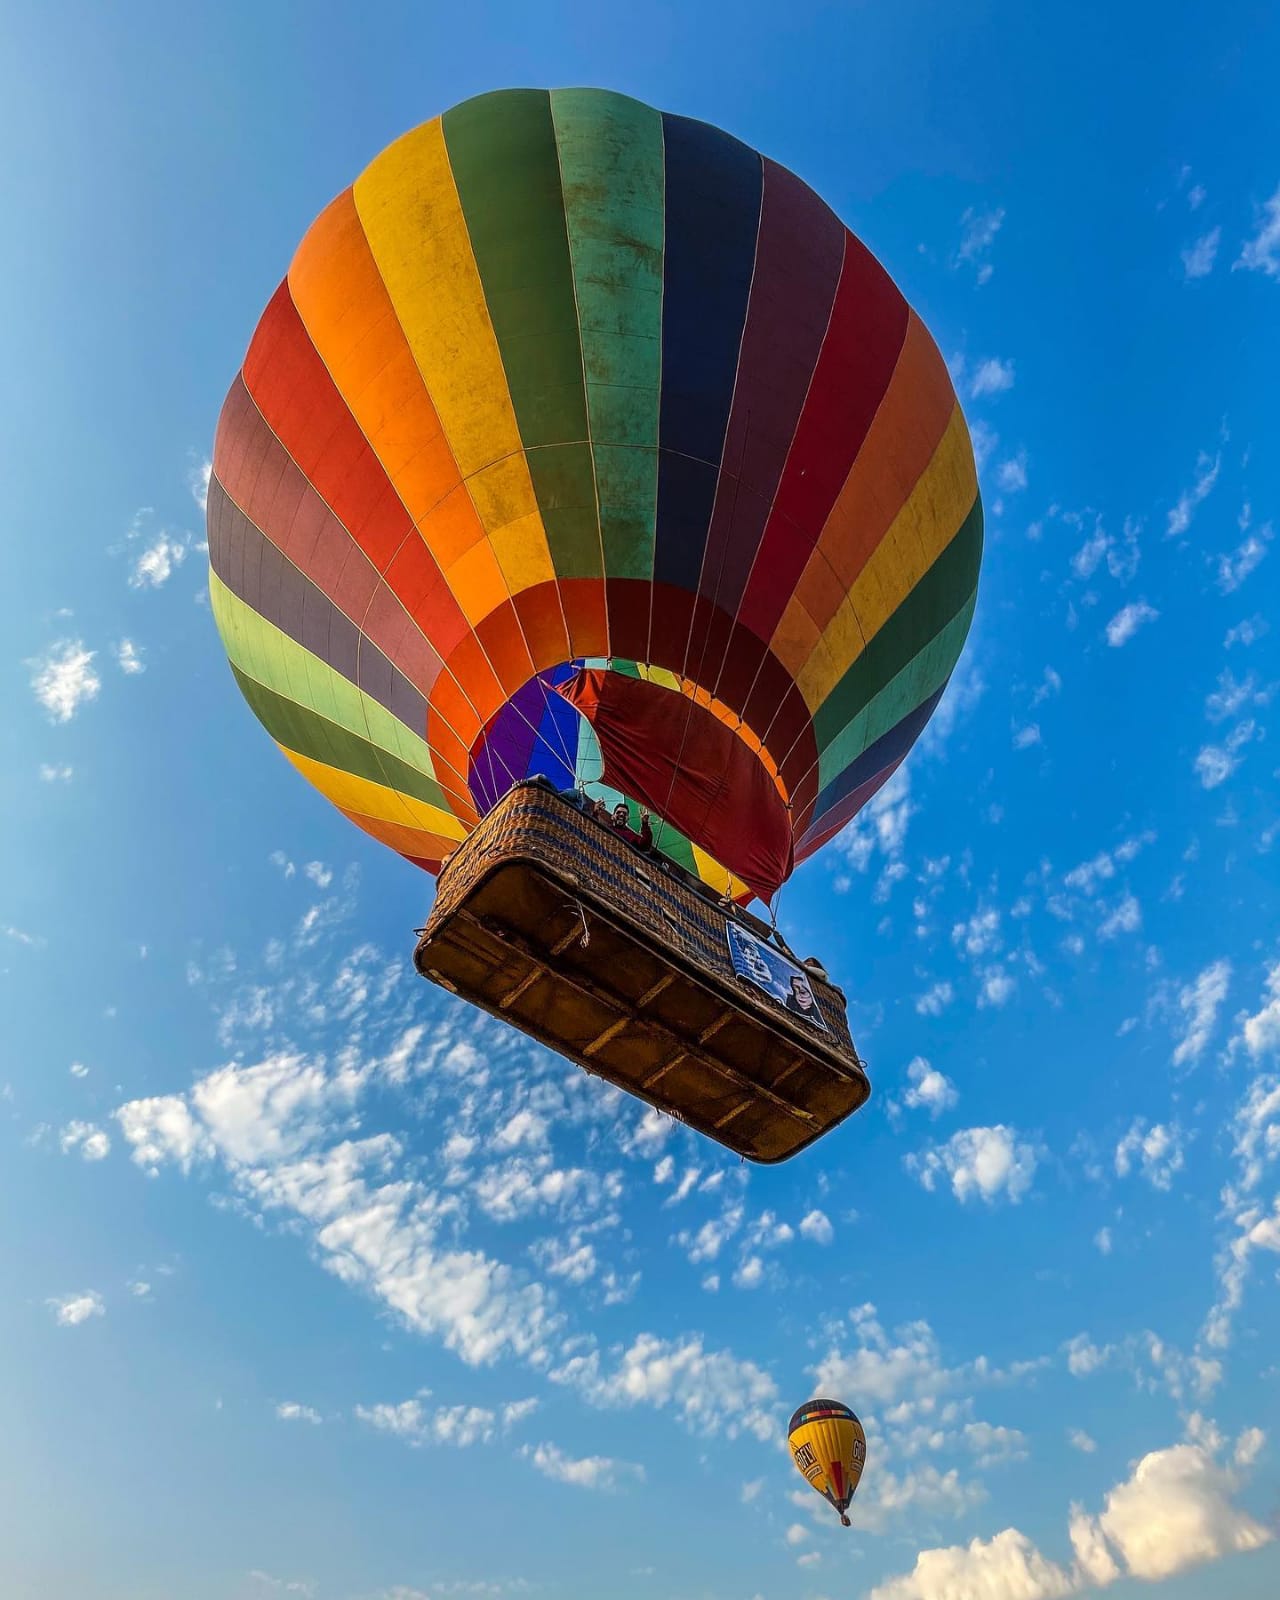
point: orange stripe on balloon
(344, 303)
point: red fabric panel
(542, 619)
(720, 796)
(583, 601)
(866, 334)
(293, 390)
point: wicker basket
(615, 958)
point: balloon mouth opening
(535, 733)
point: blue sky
(315, 1283)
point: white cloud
(458, 1427)
(1011, 474)
(1247, 632)
(1102, 1239)
(79, 1070)
(1232, 695)
(1127, 621)
(816, 1227)
(1260, 1033)
(291, 1411)
(90, 1141)
(797, 1533)
(320, 874)
(1006, 1567)
(984, 1162)
(1080, 1440)
(978, 230)
(1200, 1002)
(306, 1589)
(1051, 684)
(157, 563)
(139, 1289)
(935, 1000)
(588, 1472)
(1249, 1447)
(64, 679)
(1198, 258)
(72, 1309)
(1158, 1151)
(980, 935)
(1025, 737)
(1175, 1512)
(55, 774)
(1125, 917)
(129, 658)
(997, 987)
(697, 1384)
(1234, 568)
(749, 1274)
(1084, 1358)
(1181, 514)
(198, 481)
(1262, 252)
(991, 377)
(881, 824)
(1214, 765)
(929, 1090)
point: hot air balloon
(829, 1448)
(583, 453)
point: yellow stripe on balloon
(927, 522)
(352, 793)
(409, 208)
(715, 876)
(411, 842)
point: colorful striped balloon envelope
(581, 439)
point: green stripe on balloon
(502, 150)
(922, 676)
(924, 613)
(351, 726)
(610, 150)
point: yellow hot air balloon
(829, 1448)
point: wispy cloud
(1262, 252)
(1127, 621)
(64, 679)
(84, 1139)
(159, 561)
(291, 1411)
(198, 482)
(1235, 567)
(129, 657)
(586, 1472)
(1215, 763)
(991, 377)
(1199, 1002)
(70, 1310)
(1180, 516)
(1011, 474)
(978, 230)
(1198, 258)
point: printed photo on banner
(769, 970)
